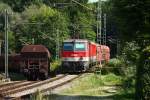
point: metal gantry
(57, 44)
(101, 37)
(0, 47)
(99, 22)
(6, 44)
(105, 30)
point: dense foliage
(41, 22)
(40, 25)
(132, 19)
(143, 75)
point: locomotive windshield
(74, 46)
(68, 47)
(79, 46)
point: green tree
(82, 21)
(3, 7)
(132, 17)
(39, 26)
(143, 75)
(20, 5)
(11, 37)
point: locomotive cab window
(79, 46)
(74, 46)
(68, 47)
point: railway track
(16, 85)
(20, 89)
(10, 83)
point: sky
(95, 0)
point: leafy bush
(112, 79)
(114, 62)
(55, 65)
(115, 66)
(125, 64)
(130, 52)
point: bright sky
(95, 0)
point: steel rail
(44, 86)
(30, 86)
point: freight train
(33, 62)
(79, 55)
(14, 62)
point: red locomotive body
(79, 54)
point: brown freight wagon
(13, 62)
(35, 62)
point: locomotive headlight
(86, 63)
(81, 59)
(65, 59)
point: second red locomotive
(79, 54)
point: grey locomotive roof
(79, 40)
(76, 40)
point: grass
(112, 79)
(92, 84)
(125, 94)
(93, 87)
(37, 96)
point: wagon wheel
(32, 77)
(43, 76)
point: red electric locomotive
(79, 54)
